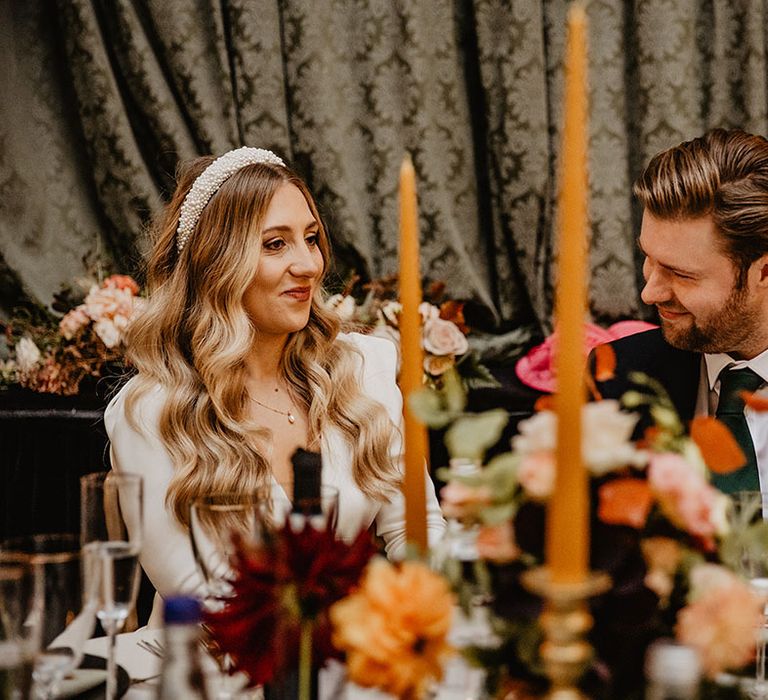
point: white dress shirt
(757, 422)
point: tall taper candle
(568, 513)
(412, 370)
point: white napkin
(138, 662)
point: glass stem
(760, 660)
(111, 693)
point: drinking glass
(19, 632)
(63, 627)
(321, 511)
(214, 521)
(111, 507)
(748, 508)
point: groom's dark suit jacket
(648, 352)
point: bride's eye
(274, 244)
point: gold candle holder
(566, 620)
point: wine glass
(215, 523)
(751, 559)
(214, 520)
(111, 529)
(19, 626)
(63, 627)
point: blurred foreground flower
(283, 590)
(394, 628)
(721, 619)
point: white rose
(390, 310)
(108, 332)
(606, 438)
(441, 337)
(536, 434)
(428, 311)
(342, 304)
(27, 354)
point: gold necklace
(288, 414)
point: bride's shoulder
(145, 407)
(375, 352)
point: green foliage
(437, 407)
(471, 435)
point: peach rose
(438, 364)
(497, 543)
(121, 282)
(721, 621)
(536, 474)
(72, 322)
(441, 337)
(458, 500)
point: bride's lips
(299, 293)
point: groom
(704, 238)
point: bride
(239, 364)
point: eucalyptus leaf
(470, 436)
(428, 406)
(497, 514)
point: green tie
(730, 411)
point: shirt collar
(718, 361)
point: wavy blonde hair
(195, 334)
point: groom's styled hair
(722, 174)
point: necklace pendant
(291, 418)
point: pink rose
(72, 322)
(459, 500)
(441, 337)
(536, 474)
(684, 495)
(721, 623)
(497, 543)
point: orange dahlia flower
(394, 628)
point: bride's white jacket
(166, 554)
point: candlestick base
(566, 621)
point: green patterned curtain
(102, 98)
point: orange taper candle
(567, 544)
(411, 369)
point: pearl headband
(210, 180)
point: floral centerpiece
(659, 528)
(53, 351)
(302, 597)
(444, 327)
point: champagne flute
(748, 509)
(111, 506)
(55, 561)
(19, 626)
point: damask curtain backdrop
(102, 98)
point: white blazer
(166, 554)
